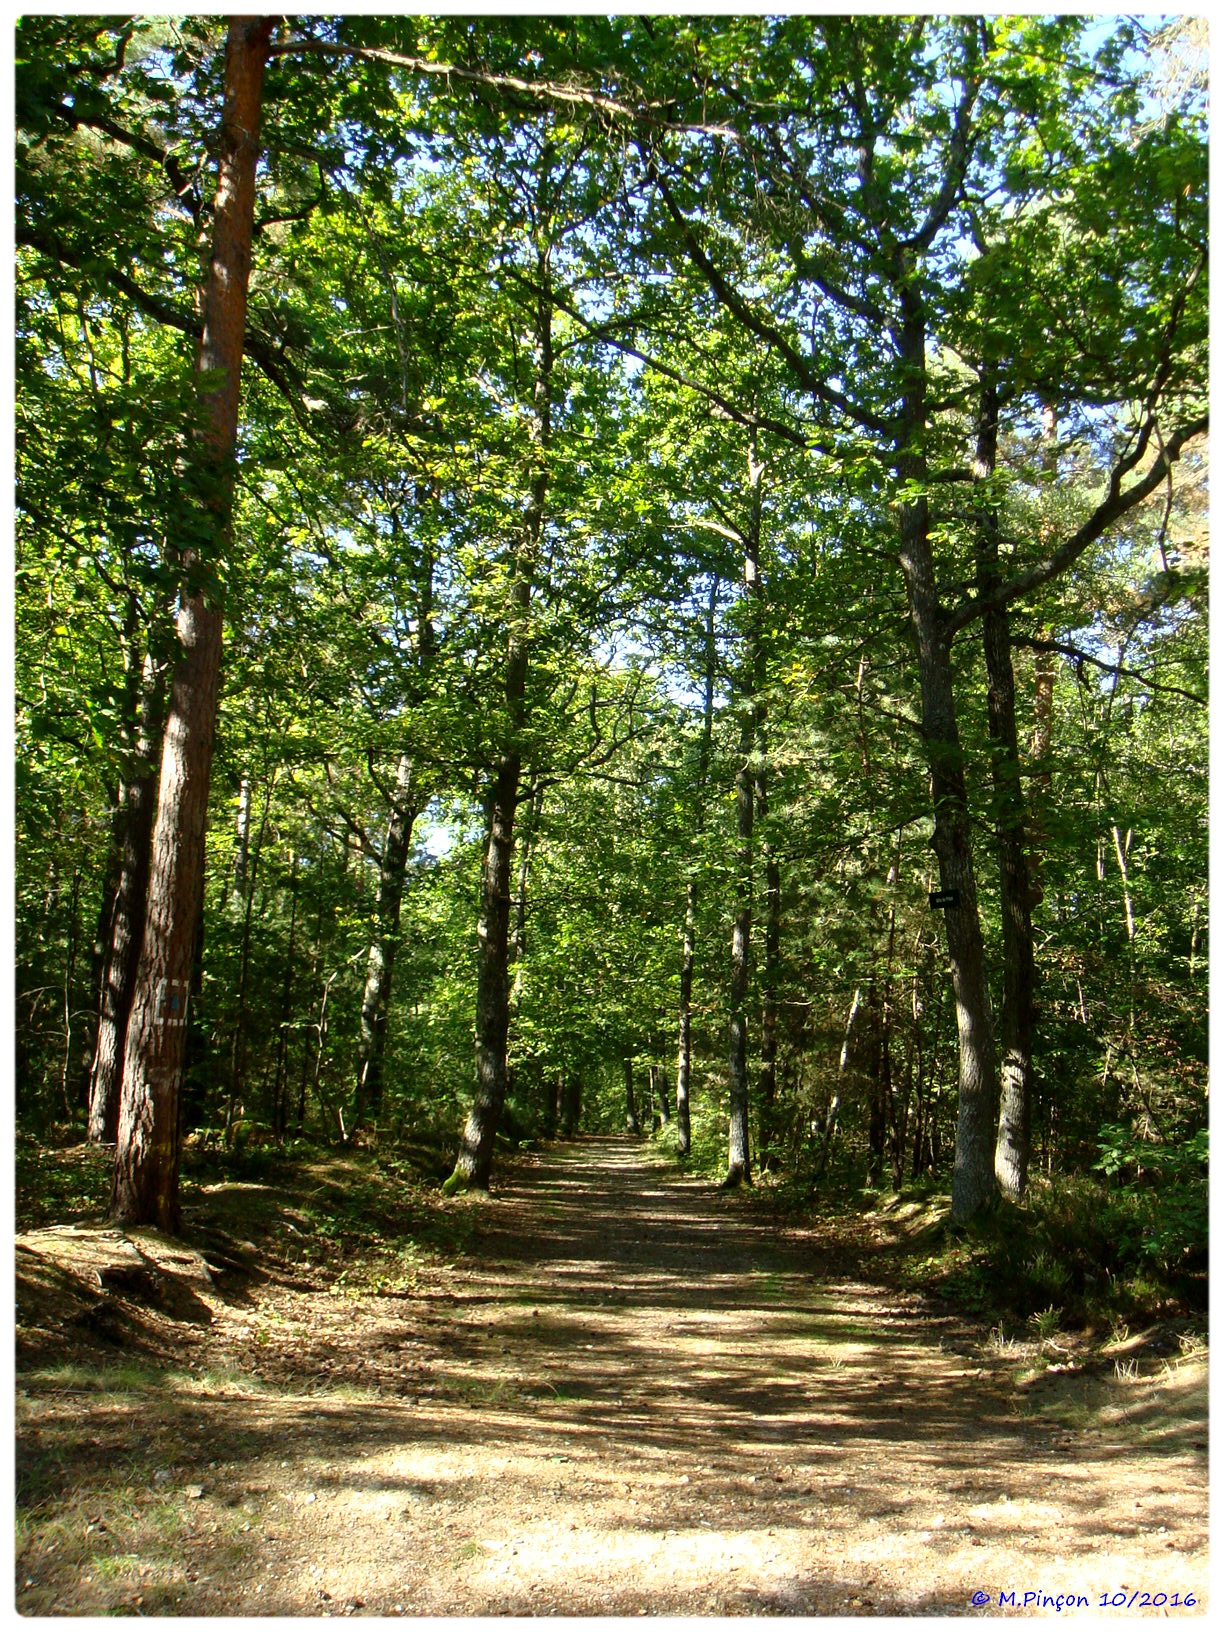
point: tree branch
(1117, 503)
(266, 357)
(738, 416)
(745, 315)
(543, 90)
(1032, 644)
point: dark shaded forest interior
(611, 715)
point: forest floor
(626, 1394)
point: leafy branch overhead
(695, 491)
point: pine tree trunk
(974, 1187)
(1016, 1022)
(145, 1189)
(380, 961)
(127, 915)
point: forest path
(639, 1396)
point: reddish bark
(145, 1189)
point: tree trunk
(767, 1077)
(658, 1077)
(917, 1010)
(631, 1116)
(113, 872)
(127, 916)
(552, 1106)
(70, 960)
(250, 870)
(571, 1108)
(280, 1082)
(684, 1056)
(517, 950)
(518, 936)
(1040, 744)
(1042, 739)
(474, 1162)
(878, 1089)
(887, 1091)
(99, 957)
(243, 844)
(974, 1187)
(145, 1189)
(380, 961)
(475, 1159)
(843, 1066)
(739, 1168)
(1016, 1096)
(1122, 851)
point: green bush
(1126, 1237)
(1157, 1206)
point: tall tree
(474, 1161)
(684, 1054)
(146, 1177)
(739, 1169)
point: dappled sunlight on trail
(638, 1394)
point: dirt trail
(640, 1398)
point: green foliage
(1078, 1248)
(58, 1184)
(1157, 1209)
(374, 582)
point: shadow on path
(640, 1395)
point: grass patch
(114, 1377)
(495, 1392)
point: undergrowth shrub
(1129, 1236)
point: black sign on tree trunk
(945, 898)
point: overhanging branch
(1118, 502)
